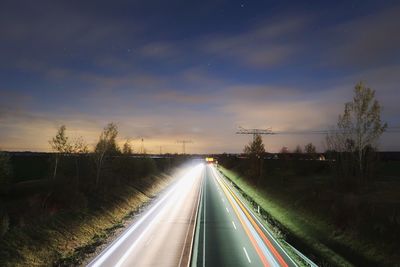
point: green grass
(66, 238)
(314, 233)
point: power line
(257, 131)
(388, 130)
(254, 132)
(184, 142)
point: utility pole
(142, 147)
(184, 142)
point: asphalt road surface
(162, 236)
(200, 220)
(228, 233)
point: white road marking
(204, 224)
(263, 247)
(227, 209)
(247, 255)
(223, 200)
(234, 226)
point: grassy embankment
(291, 205)
(63, 235)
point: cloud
(268, 44)
(174, 96)
(158, 50)
(366, 41)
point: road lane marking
(252, 222)
(246, 229)
(247, 255)
(227, 209)
(223, 200)
(234, 226)
(266, 230)
(264, 246)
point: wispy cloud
(366, 41)
(267, 44)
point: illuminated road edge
(168, 198)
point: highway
(227, 233)
(162, 236)
(198, 221)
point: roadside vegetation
(56, 208)
(341, 207)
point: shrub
(4, 222)
(5, 171)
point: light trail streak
(183, 182)
(259, 241)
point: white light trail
(183, 183)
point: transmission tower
(254, 132)
(142, 151)
(184, 142)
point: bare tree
(60, 146)
(310, 148)
(106, 145)
(284, 150)
(78, 148)
(358, 130)
(127, 148)
(298, 150)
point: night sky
(169, 70)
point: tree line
(74, 176)
(352, 144)
(105, 147)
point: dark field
(331, 225)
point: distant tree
(298, 150)
(284, 150)
(127, 148)
(255, 147)
(78, 148)
(358, 131)
(5, 171)
(106, 145)
(5, 175)
(310, 148)
(60, 146)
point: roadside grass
(308, 230)
(66, 238)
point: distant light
(209, 160)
